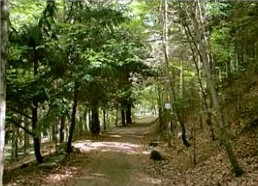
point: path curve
(116, 160)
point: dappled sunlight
(115, 136)
(149, 180)
(129, 148)
(60, 177)
(56, 178)
(114, 158)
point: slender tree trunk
(54, 137)
(15, 134)
(203, 95)
(202, 40)
(129, 113)
(117, 116)
(95, 121)
(26, 136)
(73, 120)
(80, 124)
(160, 108)
(85, 120)
(104, 119)
(108, 118)
(90, 120)
(36, 138)
(61, 130)
(34, 120)
(3, 60)
(123, 116)
(170, 86)
(172, 95)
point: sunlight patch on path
(57, 178)
(149, 180)
(88, 146)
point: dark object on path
(154, 143)
(156, 156)
(24, 165)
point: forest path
(117, 159)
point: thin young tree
(172, 94)
(196, 16)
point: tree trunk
(108, 118)
(15, 135)
(54, 137)
(95, 121)
(90, 120)
(36, 139)
(73, 120)
(117, 116)
(34, 120)
(26, 136)
(61, 130)
(203, 44)
(172, 95)
(203, 95)
(160, 108)
(85, 120)
(80, 124)
(166, 120)
(3, 59)
(104, 119)
(123, 117)
(128, 114)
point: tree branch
(17, 124)
(19, 112)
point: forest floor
(115, 159)
(121, 157)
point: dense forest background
(76, 68)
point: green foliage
(91, 47)
(221, 44)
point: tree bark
(85, 120)
(26, 136)
(34, 119)
(73, 120)
(3, 60)
(36, 138)
(61, 130)
(123, 117)
(117, 116)
(104, 119)
(95, 121)
(128, 113)
(15, 135)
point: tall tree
(3, 59)
(195, 14)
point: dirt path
(117, 159)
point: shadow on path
(116, 160)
